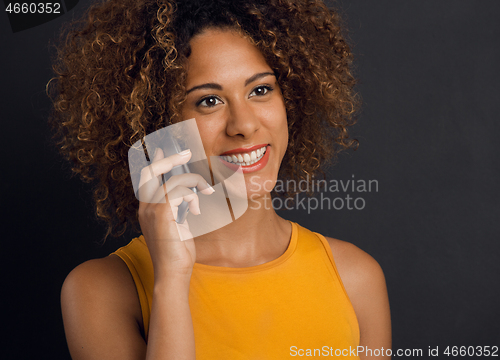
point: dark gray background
(429, 79)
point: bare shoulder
(102, 279)
(356, 268)
(100, 309)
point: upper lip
(243, 150)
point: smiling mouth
(245, 159)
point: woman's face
(238, 106)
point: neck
(257, 237)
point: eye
(261, 90)
(209, 101)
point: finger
(155, 212)
(158, 155)
(185, 233)
(148, 183)
(189, 180)
(176, 196)
(151, 179)
(162, 165)
(180, 194)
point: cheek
(274, 113)
(208, 133)
(282, 132)
(277, 122)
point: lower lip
(250, 168)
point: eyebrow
(219, 87)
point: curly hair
(120, 74)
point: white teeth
(246, 159)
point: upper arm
(365, 285)
(100, 311)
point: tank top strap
(136, 256)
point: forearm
(171, 334)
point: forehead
(223, 55)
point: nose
(242, 120)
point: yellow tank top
(293, 306)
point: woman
(267, 75)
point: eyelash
(268, 89)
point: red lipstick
(243, 150)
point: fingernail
(185, 152)
(211, 188)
